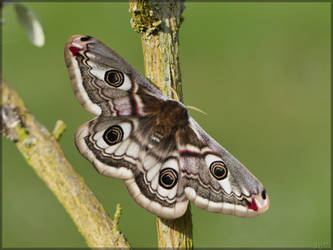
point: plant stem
(158, 23)
(43, 153)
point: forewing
(104, 83)
(214, 179)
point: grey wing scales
(116, 149)
(104, 83)
(214, 179)
(119, 142)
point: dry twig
(158, 23)
(43, 153)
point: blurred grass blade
(31, 24)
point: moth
(151, 142)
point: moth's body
(171, 116)
(151, 142)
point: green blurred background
(260, 70)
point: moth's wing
(104, 82)
(233, 190)
(132, 153)
(128, 104)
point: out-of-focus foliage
(260, 70)
(30, 23)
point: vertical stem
(158, 23)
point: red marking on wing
(74, 50)
(253, 205)
(186, 151)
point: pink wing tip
(253, 205)
(74, 50)
(77, 43)
(259, 203)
